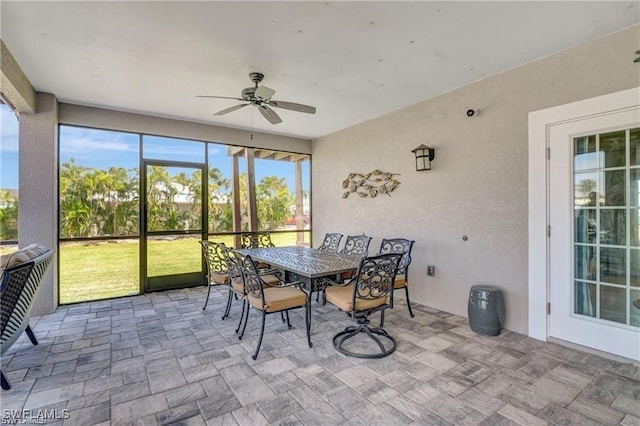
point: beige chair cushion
(342, 296)
(400, 282)
(237, 285)
(219, 278)
(23, 255)
(270, 279)
(279, 298)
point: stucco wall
(478, 185)
(38, 202)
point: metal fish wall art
(370, 184)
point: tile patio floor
(159, 359)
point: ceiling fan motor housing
(248, 94)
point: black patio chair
(331, 242)
(402, 246)
(370, 291)
(217, 269)
(271, 299)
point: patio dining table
(315, 269)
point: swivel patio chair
(331, 242)
(370, 291)
(20, 285)
(217, 268)
(269, 300)
(402, 246)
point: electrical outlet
(431, 270)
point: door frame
(184, 280)
(540, 123)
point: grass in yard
(107, 269)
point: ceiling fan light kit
(260, 96)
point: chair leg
(307, 320)
(6, 385)
(286, 314)
(406, 290)
(244, 316)
(227, 308)
(382, 318)
(207, 299)
(255, 355)
(32, 336)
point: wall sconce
(424, 157)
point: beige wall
(478, 185)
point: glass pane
(613, 304)
(612, 145)
(585, 262)
(161, 148)
(585, 299)
(634, 223)
(278, 197)
(586, 225)
(585, 155)
(586, 189)
(8, 175)
(173, 255)
(613, 265)
(634, 198)
(635, 268)
(98, 183)
(613, 188)
(174, 197)
(634, 308)
(634, 147)
(613, 227)
(221, 189)
(88, 270)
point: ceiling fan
(261, 98)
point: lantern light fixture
(424, 156)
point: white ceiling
(352, 60)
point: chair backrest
(256, 240)
(214, 257)
(234, 264)
(18, 291)
(253, 284)
(331, 242)
(375, 278)
(398, 245)
(357, 245)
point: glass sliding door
(173, 224)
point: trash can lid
(485, 290)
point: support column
(251, 190)
(299, 204)
(38, 186)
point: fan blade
(230, 109)
(293, 106)
(219, 97)
(264, 93)
(269, 114)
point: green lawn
(107, 269)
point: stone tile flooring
(159, 359)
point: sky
(103, 149)
(8, 148)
